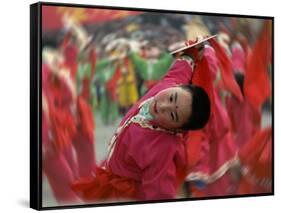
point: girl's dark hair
(201, 108)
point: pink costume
(145, 161)
(83, 141)
(242, 120)
(58, 127)
(218, 151)
(240, 112)
(68, 124)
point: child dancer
(147, 152)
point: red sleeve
(210, 55)
(179, 73)
(225, 65)
(70, 53)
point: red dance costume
(144, 162)
(67, 124)
(58, 129)
(83, 141)
(244, 120)
(256, 164)
(212, 150)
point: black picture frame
(36, 45)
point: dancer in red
(256, 155)
(219, 182)
(147, 153)
(58, 128)
(81, 59)
(67, 118)
(217, 152)
(245, 120)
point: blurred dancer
(260, 143)
(83, 141)
(256, 155)
(244, 121)
(58, 126)
(107, 76)
(69, 121)
(214, 144)
(126, 85)
(151, 66)
(245, 116)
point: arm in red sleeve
(180, 72)
(211, 57)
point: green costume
(107, 106)
(84, 72)
(151, 70)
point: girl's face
(171, 108)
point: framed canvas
(132, 105)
